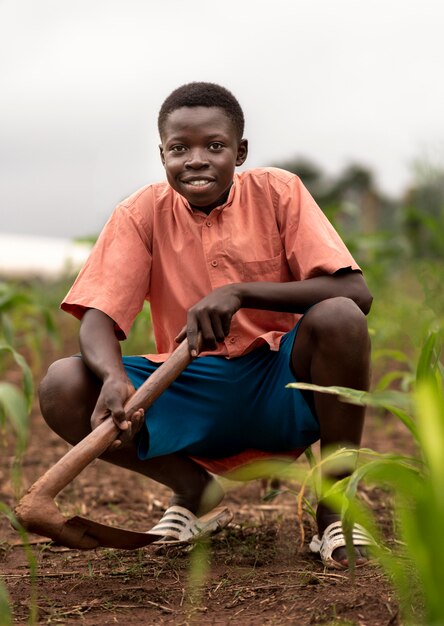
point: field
(257, 571)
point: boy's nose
(196, 159)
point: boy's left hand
(212, 317)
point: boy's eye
(177, 148)
(216, 145)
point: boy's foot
(330, 541)
(179, 526)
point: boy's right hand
(113, 395)
(210, 319)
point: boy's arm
(101, 352)
(212, 315)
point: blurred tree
(368, 222)
(380, 231)
(310, 173)
(352, 200)
(423, 210)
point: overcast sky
(81, 82)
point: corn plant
(17, 309)
(25, 322)
(15, 400)
(417, 483)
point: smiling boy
(249, 261)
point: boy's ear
(162, 158)
(242, 152)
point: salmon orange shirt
(155, 247)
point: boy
(250, 262)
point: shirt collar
(219, 208)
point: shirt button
(232, 339)
(214, 263)
(209, 223)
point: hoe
(37, 511)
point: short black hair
(201, 94)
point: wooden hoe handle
(37, 511)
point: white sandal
(333, 537)
(178, 525)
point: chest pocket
(275, 270)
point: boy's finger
(218, 328)
(115, 444)
(209, 341)
(118, 413)
(136, 420)
(181, 336)
(97, 418)
(120, 420)
(226, 325)
(192, 333)
(192, 344)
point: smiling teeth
(198, 183)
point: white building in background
(44, 257)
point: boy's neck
(207, 209)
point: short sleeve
(312, 245)
(116, 277)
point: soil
(255, 572)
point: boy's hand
(112, 398)
(212, 317)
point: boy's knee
(53, 388)
(62, 389)
(68, 394)
(337, 319)
(55, 379)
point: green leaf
(28, 383)
(394, 355)
(5, 606)
(381, 399)
(14, 409)
(430, 408)
(429, 357)
(6, 328)
(11, 298)
(390, 377)
(405, 419)
(49, 324)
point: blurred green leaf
(390, 353)
(28, 383)
(355, 396)
(429, 357)
(11, 298)
(430, 410)
(5, 606)
(13, 410)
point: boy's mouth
(197, 182)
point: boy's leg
(68, 395)
(332, 347)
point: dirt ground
(254, 572)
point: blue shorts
(220, 407)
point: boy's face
(200, 151)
